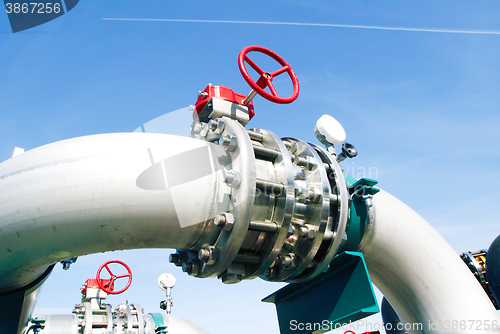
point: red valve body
(221, 92)
(91, 283)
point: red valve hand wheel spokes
(109, 285)
(266, 78)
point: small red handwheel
(266, 78)
(107, 285)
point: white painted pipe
(102, 193)
(421, 275)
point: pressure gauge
(166, 281)
(329, 130)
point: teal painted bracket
(359, 190)
(361, 187)
(342, 294)
(160, 327)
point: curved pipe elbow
(418, 271)
(101, 193)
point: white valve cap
(331, 129)
(166, 281)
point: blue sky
(421, 107)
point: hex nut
(221, 125)
(229, 142)
(313, 195)
(178, 258)
(212, 124)
(187, 267)
(192, 267)
(233, 179)
(174, 258)
(228, 226)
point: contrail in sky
(449, 31)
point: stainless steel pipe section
(102, 193)
(421, 275)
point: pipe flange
(311, 212)
(283, 200)
(239, 148)
(339, 209)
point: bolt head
(233, 179)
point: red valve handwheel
(266, 78)
(108, 285)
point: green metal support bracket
(341, 295)
(361, 192)
(160, 327)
